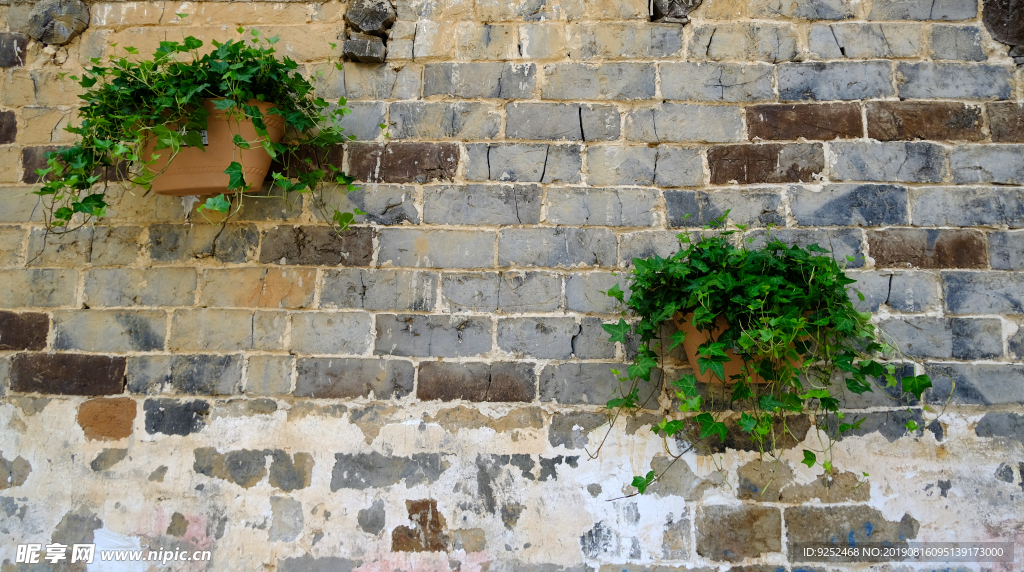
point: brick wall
(422, 392)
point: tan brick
(38, 288)
(226, 330)
(45, 125)
(257, 287)
(434, 10)
(329, 12)
(722, 9)
(18, 204)
(240, 13)
(12, 246)
(486, 42)
(542, 41)
(23, 87)
(436, 39)
(134, 205)
(10, 165)
(616, 10)
(120, 14)
(309, 42)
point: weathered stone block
(444, 120)
(364, 120)
(677, 122)
(592, 341)
(836, 41)
(644, 244)
(394, 290)
(23, 331)
(437, 248)
(844, 243)
(807, 10)
(69, 249)
(765, 163)
(1000, 164)
(678, 167)
(403, 162)
(226, 330)
(109, 331)
(968, 206)
(482, 204)
(611, 81)
(37, 288)
(371, 16)
(492, 382)
(364, 48)
(67, 374)
(976, 384)
(601, 207)
(269, 375)
(383, 204)
(927, 248)
(8, 125)
(837, 80)
(983, 292)
(957, 43)
(934, 120)
(529, 292)
(480, 80)
(744, 41)
(622, 40)
(115, 245)
(556, 247)
(572, 429)
(205, 374)
(12, 251)
(231, 243)
(361, 471)
(432, 336)
(947, 10)
(621, 165)
(732, 533)
(561, 121)
(317, 246)
(477, 292)
(585, 292)
(845, 205)
(1006, 250)
(257, 287)
(107, 419)
(541, 41)
(375, 82)
(811, 121)
(959, 338)
(1006, 122)
(591, 383)
(754, 208)
(331, 333)
(105, 287)
(717, 82)
(12, 50)
(543, 338)
(174, 417)
(475, 41)
(533, 163)
(339, 378)
(953, 81)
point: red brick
(808, 120)
(928, 248)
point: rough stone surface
(107, 419)
(67, 374)
(1006, 250)
(404, 162)
(556, 248)
(426, 336)
(336, 378)
(968, 206)
(368, 289)
(12, 50)
(1006, 122)
(25, 331)
(683, 122)
(867, 205)
(734, 533)
(860, 41)
(482, 204)
(364, 48)
(371, 16)
(766, 163)
(953, 80)
(928, 248)
(910, 120)
(810, 121)
(317, 246)
(987, 164)
(496, 382)
(838, 80)
(898, 162)
(57, 22)
(947, 10)
(716, 82)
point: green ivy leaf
(687, 385)
(677, 338)
(911, 425)
(708, 426)
(747, 423)
(641, 483)
(219, 203)
(240, 142)
(809, 458)
(916, 385)
(617, 293)
(234, 173)
(617, 331)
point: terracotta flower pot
(195, 172)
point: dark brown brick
(403, 162)
(1006, 122)
(67, 374)
(928, 248)
(766, 163)
(26, 331)
(476, 381)
(733, 533)
(317, 246)
(808, 120)
(933, 120)
(12, 50)
(8, 127)
(307, 158)
(855, 525)
(33, 158)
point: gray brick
(40, 288)
(914, 291)
(613, 81)
(975, 339)
(364, 120)
(480, 80)
(331, 332)
(874, 286)
(591, 384)
(914, 162)
(806, 10)
(968, 206)
(621, 165)
(1016, 344)
(231, 243)
(556, 247)
(846, 205)
(482, 204)
(206, 374)
(976, 384)
(958, 338)
(432, 336)
(340, 378)
(529, 292)
(437, 248)
(617, 40)
(843, 243)
(675, 122)
(68, 249)
(678, 167)
(688, 81)
(585, 292)
(377, 82)
(561, 121)
(477, 167)
(836, 41)
(269, 375)
(643, 245)
(143, 287)
(600, 122)
(465, 120)
(601, 207)
(744, 41)
(543, 338)
(947, 10)
(835, 80)
(533, 163)
(471, 292)
(497, 382)
(755, 208)
(109, 331)
(148, 374)
(542, 41)
(383, 204)
(1006, 250)
(930, 80)
(1001, 164)
(113, 245)
(208, 329)
(12, 251)
(394, 290)
(592, 341)
(983, 292)
(957, 43)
